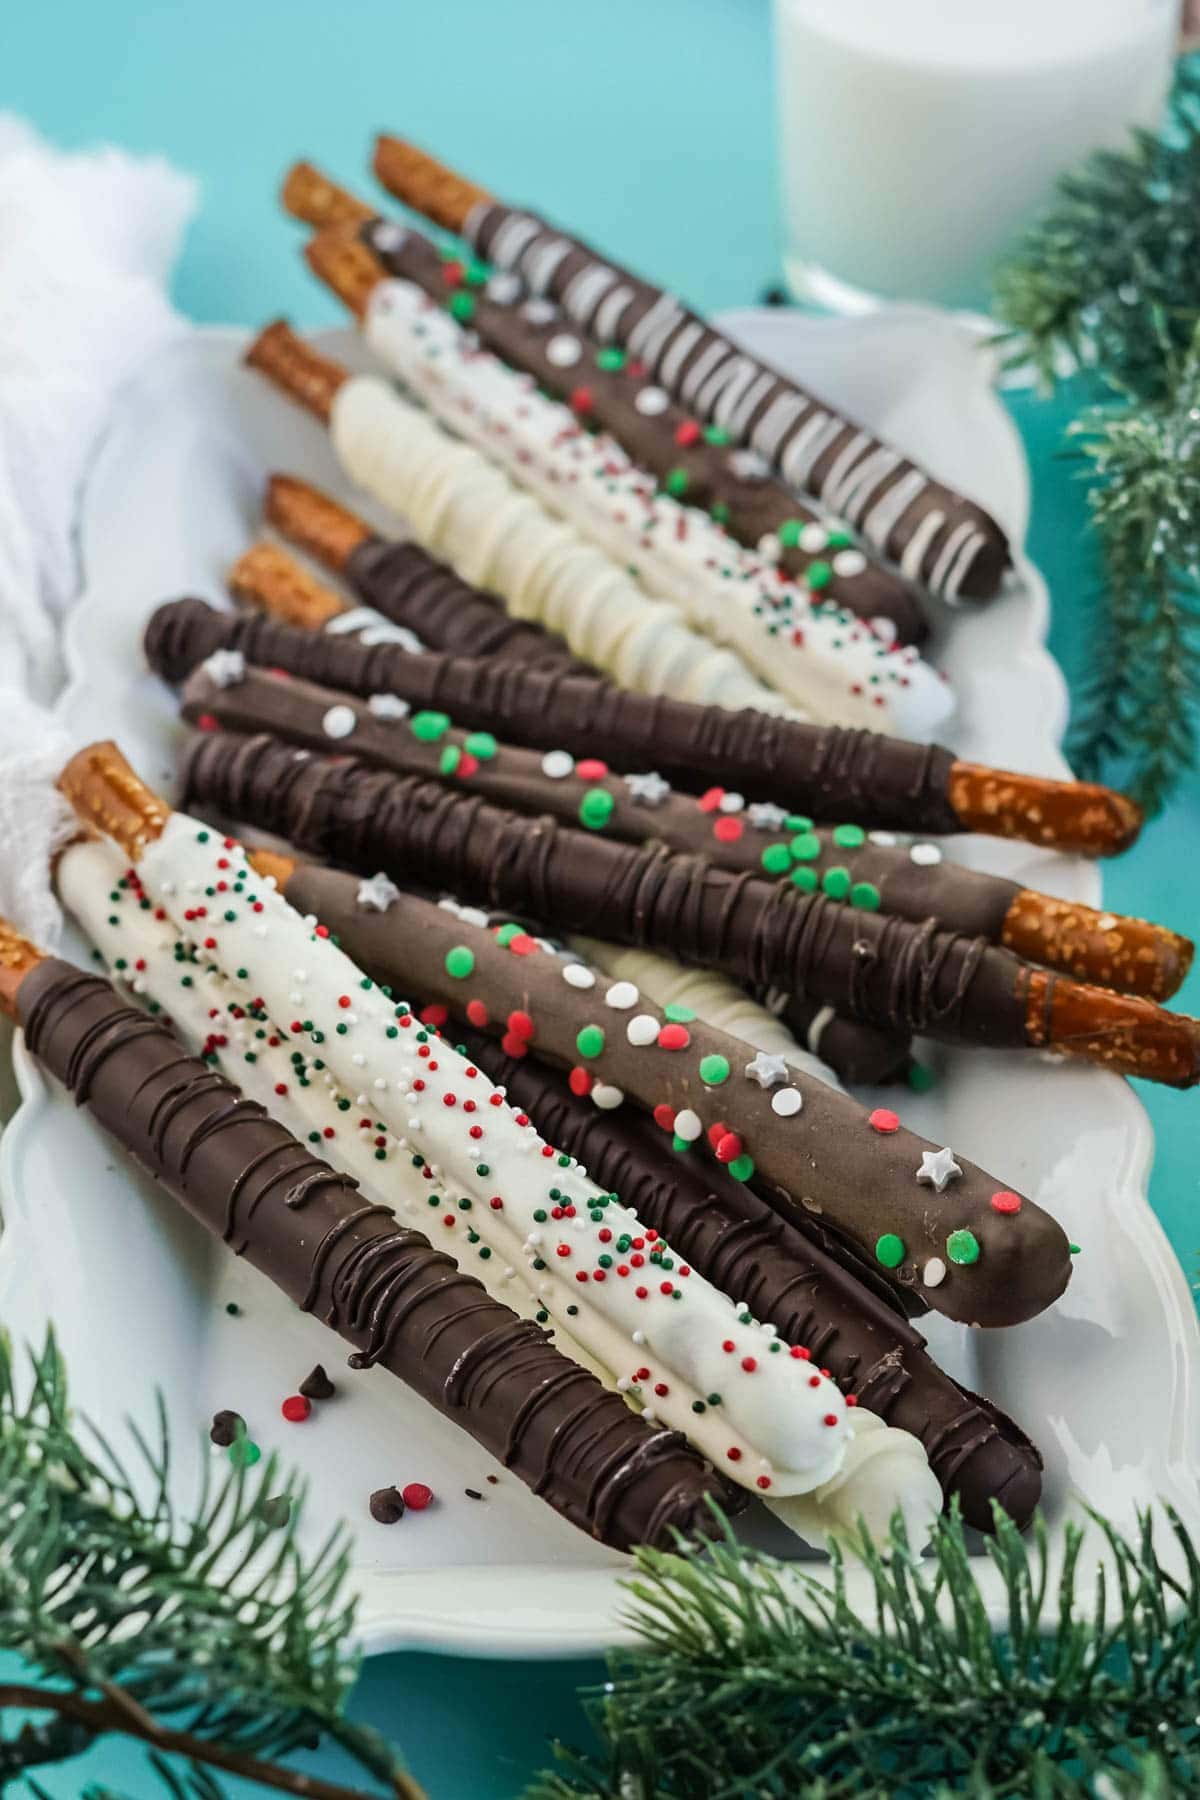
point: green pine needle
(736, 1691)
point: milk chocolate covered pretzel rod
(464, 509)
(384, 1289)
(717, 827)
(609, 390)
(885, 971)
(977, 1453)
(963, 1244)
(824, 771)
(934, 534)
(396, 579)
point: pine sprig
(212, 1637)
(736, 1690)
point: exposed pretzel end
(301, 372)
(426, 184)
(106, 793)
(343, 262)
(267, 577)
(1118, 1031)
(1079, 816)
(272, 865)
(315, 200)
(313, 521)
(1131, 955)
(17, 957)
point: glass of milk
(919, 136)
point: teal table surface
(647, 125)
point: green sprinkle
(849, 837)
(889, 1250)
(541, 1215)
(719, 513)
(430, 726)
(806, 847)
(789, 533)
(202, 837)
(713, 1399)
(798, 822)
(233, 1309)
(610, 358)
(678, 1015)
(460, 962)
(1075, 1249)
(596, 808)
(714, 1070)
(962, 1247)
(506, 934)
(742, 1167)
(449, 760)
(920, 1078)
(836, 882)
(865, 894)
(244, 1453)
(462, 307)
(481, 744)
(818, 574)
(715, 434)
(838, 539)
(590, 1041)
(698, 1406)
(476, 273)
(676, 482)
(805, 878)
(776, 859)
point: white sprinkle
(563, 351)
(607, 1097)
(621, 995)
(503, 287)
(225, 668)
(787, 1102)
(926, 856)
(387, 235)
(578, 975)
(887, 840)
(558, 764)
(688, 1125)
(638, 1337)
(388, 706)
(934, 1272)
(732, 803)
(769, 547)
(540, 312)
(813, 539)
(849, 562)
(339, 721)
(651, 401)
(377, 894)
(642, 1030)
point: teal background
(648, 126)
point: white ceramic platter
(1106, 1383)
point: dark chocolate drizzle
(397, 1300)
(830, 772)
(734, 1239)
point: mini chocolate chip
(473, 1493)
(226, 1428)
(317, 1385)
(387, 1505)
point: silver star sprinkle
(938, 1169)
(764, 816)
(225, 667)
(767, 1070)
(377, 894)
(647, 790)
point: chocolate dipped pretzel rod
(826, 772)
(885, 971)
(382, 1287)
(813, 651)
(298, 1091)
(979, 1456)
(608, 389)
(963, 1244)
(777, 1431)
(466, 511)
(394, 580)
(934, 534)
(718, 827)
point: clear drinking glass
(917, 137)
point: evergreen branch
(213, 1635)
(116, 1714)
(751, 1678)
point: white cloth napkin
(87, 242)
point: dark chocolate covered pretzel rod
(384, 1289)
(884, 971)
(717, 827)
(933, 533)
(609, 390)
(827, 772)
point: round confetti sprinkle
(651, 401)
(934, 1272)
(296, 1409)
(813, 539)
(728, 830)
(962, 1247)
(596, 808)
(866, 896)
(1006, 1202)
(590, 1041)
(836, 882)
(558, 764)
(416, 1495)
(787, 1102)
(776, 859)
(606, 1097)
(806, 846)
(430, 726)
(714, 1070)
(621, 996)
(818, 575)
(849, 837)
(677, 1013)
(450, 758)
(883, 1120)
(563, 351)
(578, 975)
(642, 1029)
(889, 1250)
(481, 744)
(804, 876)
(742, 1167)
(339, 721)
(688, 1125)
(674, 1037)
(460, 962)
(926, 856)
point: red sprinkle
(661, 1389)
(763, 1481)
(717, 1132)
(830, 1419)
(711, 799)
(580, 1082)
(674, 1037)
(664, 1116)
(416, 1496)
(590, 768)
(641, 1292)
(749, 1364)
(321, 931)
(296, 1409)
(343, 1000)
(520, 1024)
(727, 829)
(435, 1015)
(884, 1120)
(729, 1148)
(562, 1250)
(687, 433)
(513, 1046)
(581, 1274)
(734, 1454)
(581, 400)
(477, 1012)
(206, 722)
(496, 1203)
(522, 944)
(1006, 1202)
(800, 1353)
